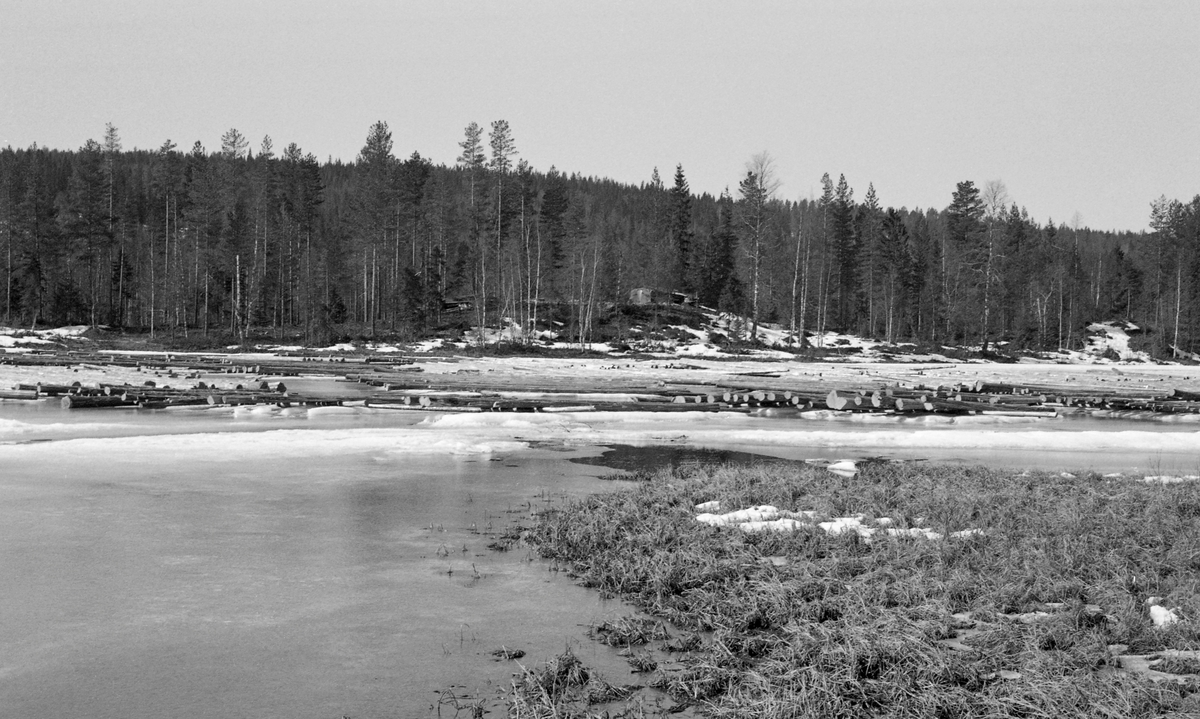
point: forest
(244, 242)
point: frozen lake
(268, 563)
(204, 583)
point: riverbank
(906, 590)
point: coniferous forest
(245, 241)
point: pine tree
(472, 158)
(374, 201)
(112, 149)
(825, 282)
(234, 145)
(503, 149)
(964, 216)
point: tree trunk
(1178, 306)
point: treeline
(242, 240)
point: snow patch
(1112, 338)
(1170, 478)
(766, 517)
(761, 513)
(1160, 615)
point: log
(418, 408)
(235, 400)
(71, 401)
(843, 400)
(883, 401)
(54, 390)
(159, 403)
(913, 405)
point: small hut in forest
(641, 296)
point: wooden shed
(641, 296)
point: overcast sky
(1078, 107)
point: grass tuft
(628, 631)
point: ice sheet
(220, 434)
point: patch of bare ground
(1076, 597)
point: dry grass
(847, 628)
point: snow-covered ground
(20, 341)
(1108, 343)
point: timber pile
(397, 382)
(494, 393)
(212, 364)
(151, 396)
(994, 398)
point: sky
(1086, 111)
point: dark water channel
(653, 458)
(159, 582)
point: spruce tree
(681, 233)
(846, 254)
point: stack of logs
(211, 364)
(150, 396)
(397, 388)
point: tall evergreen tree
(872, 262)
(681, 232)
(234, 145)
(964, 216)
(717, 267)
(472, 158)
(84, 223)
(504, 148)
(846, 254)
(374, 201)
